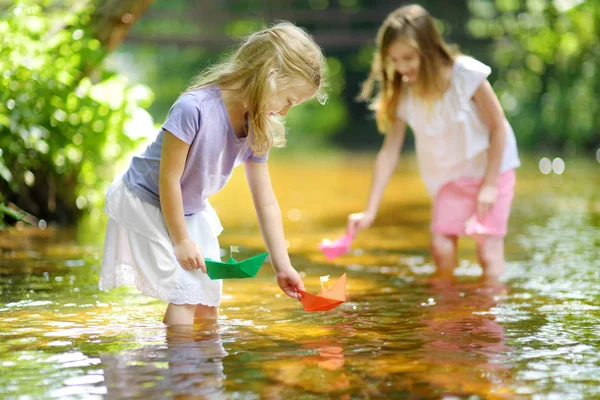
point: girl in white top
(466, 148)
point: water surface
(533, 334)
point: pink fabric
(455, 208)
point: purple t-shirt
(200, 119)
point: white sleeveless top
(450, 135)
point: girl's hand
(358, 221)
(189, 255)
(486, 199)
(290, 282)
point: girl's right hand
(189, 255)
(358, 221)
(290, 282)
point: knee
(491, 257)
(206, 313)
(179, 314)
(486, 258)
(442, 247)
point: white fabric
(450, 135)
(138, 250)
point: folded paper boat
(326, 299)
(336, 248)
(473, 227)
(232, 269)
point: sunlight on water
(400, 334)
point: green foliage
(62, 122)
(168, 70)
(311, 123)
(548, 58)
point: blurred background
(85, 82)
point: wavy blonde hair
(414, 26)
(268, 61)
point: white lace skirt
(138, 250)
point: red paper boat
(326, 299)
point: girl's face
(406, 60)
(281, 102)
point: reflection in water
(189, 363)
(463, 344)
(319, 370)
(399, 335)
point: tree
(548, 59)
(60, 130)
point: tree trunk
(114, 19)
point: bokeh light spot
(558, 166)
(294, 214)
(545, 166)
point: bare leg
(179, 314)
(443, 250)
(490, 251)
(180, 334)
(205, 314)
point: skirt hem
(147, 289)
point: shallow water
(534, 334)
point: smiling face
(291, 95)
(405, 59)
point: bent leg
(444, 252)
(206, 313)
(490, 252)
(179, 314)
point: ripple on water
(399, 335)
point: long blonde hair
(268, 61)
(414, 26)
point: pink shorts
(456, 203)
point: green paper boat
(234, 269)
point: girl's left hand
(486, 199)
(290, 282)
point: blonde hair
(414, 26)
(268, 61)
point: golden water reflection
(399, 335)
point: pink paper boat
(474, 228)
(336, 248)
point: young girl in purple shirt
(161, 226)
